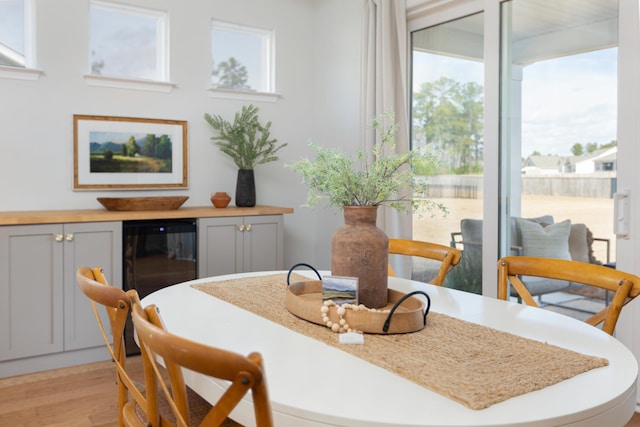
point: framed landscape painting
(129, 153)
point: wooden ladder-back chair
(244, 374)
(449, 257)
(118, 304)
(623, 285)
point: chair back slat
(117, 303)
(449, 257)
(244, 373)
(625, 286)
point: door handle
(621, 214)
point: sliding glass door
(447, 118)
(556, 142)
(560, 133)
(559, 115)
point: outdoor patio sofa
(539, 236)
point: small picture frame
(340, 289)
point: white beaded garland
(341, 310)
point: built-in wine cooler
(157, 253)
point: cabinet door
(220, 246)
(31, 288)
(263, 247)
(94, 245)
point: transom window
(16, 40)
(128, 42)
(242, 58)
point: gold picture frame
(112, 152)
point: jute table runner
(472, 364)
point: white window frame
(29, 71)
(427, 13)
(160, 83)
(267, 64)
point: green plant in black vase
(249, 144)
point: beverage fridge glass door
(157, 253)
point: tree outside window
(242, 57)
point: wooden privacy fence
(569, 185)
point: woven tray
(304, 299)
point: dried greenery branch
(383, 178)
(245, 140)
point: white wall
(317, 74)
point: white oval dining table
(313, 384)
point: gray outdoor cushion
(471, 230)
(551, 241)
(542, 285)
(516, 234)
(579, 245)
(576, 241)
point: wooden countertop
(101, 215)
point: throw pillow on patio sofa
(551, 241)
(516, 232)
(472, 231)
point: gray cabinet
(31, 294)
(94, 245)
(228, 245)
(41, 309)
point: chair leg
(122, 398)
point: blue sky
(570, 100)
(11, 24)
(564, 101)
(125, 42)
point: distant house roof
(612, 157)
(544, 162)
(603, 159)
(543, 165)
(598, 160)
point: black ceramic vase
(245, 189)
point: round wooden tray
(304, 299)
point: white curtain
(384, 77)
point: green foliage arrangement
(383, 178)
(245, 140)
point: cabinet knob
(58, 237)
(248, 227)
(241, 227)
(68, 237)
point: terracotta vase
(245, 189)
(220, 199)
(360, 249)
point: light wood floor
(81, 396)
